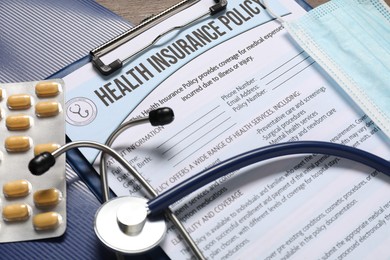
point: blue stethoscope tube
(43, 162)
(164, 200)
(157, 205)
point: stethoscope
(133, 225)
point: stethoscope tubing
(164, 200)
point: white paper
(252, 90)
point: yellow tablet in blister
(16, 189)
(16, 212)
(48, 220)
(18, 122)
(15, 144)
(47, 109)
(49, 147)
(19, 102)
(47, 89)
(47, 198)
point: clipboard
(75, 158)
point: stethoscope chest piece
(123, 226)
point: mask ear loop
(272, 13)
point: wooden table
(137, 10)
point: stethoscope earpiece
(161, 116)
(41, 163)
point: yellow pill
(47, 89)
(18, 102)
(18, 122)
(49, 147)
(16, 212)
(48, 220)
(17, 144)
(47, 198)
(47, 109)
(16, 189)
(1, 94)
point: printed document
(237, 81)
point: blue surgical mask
(350, 39)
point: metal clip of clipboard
(107, 69)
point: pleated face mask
(350, 39)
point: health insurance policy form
(237, 81)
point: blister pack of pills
(31, 122)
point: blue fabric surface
(38, 37)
